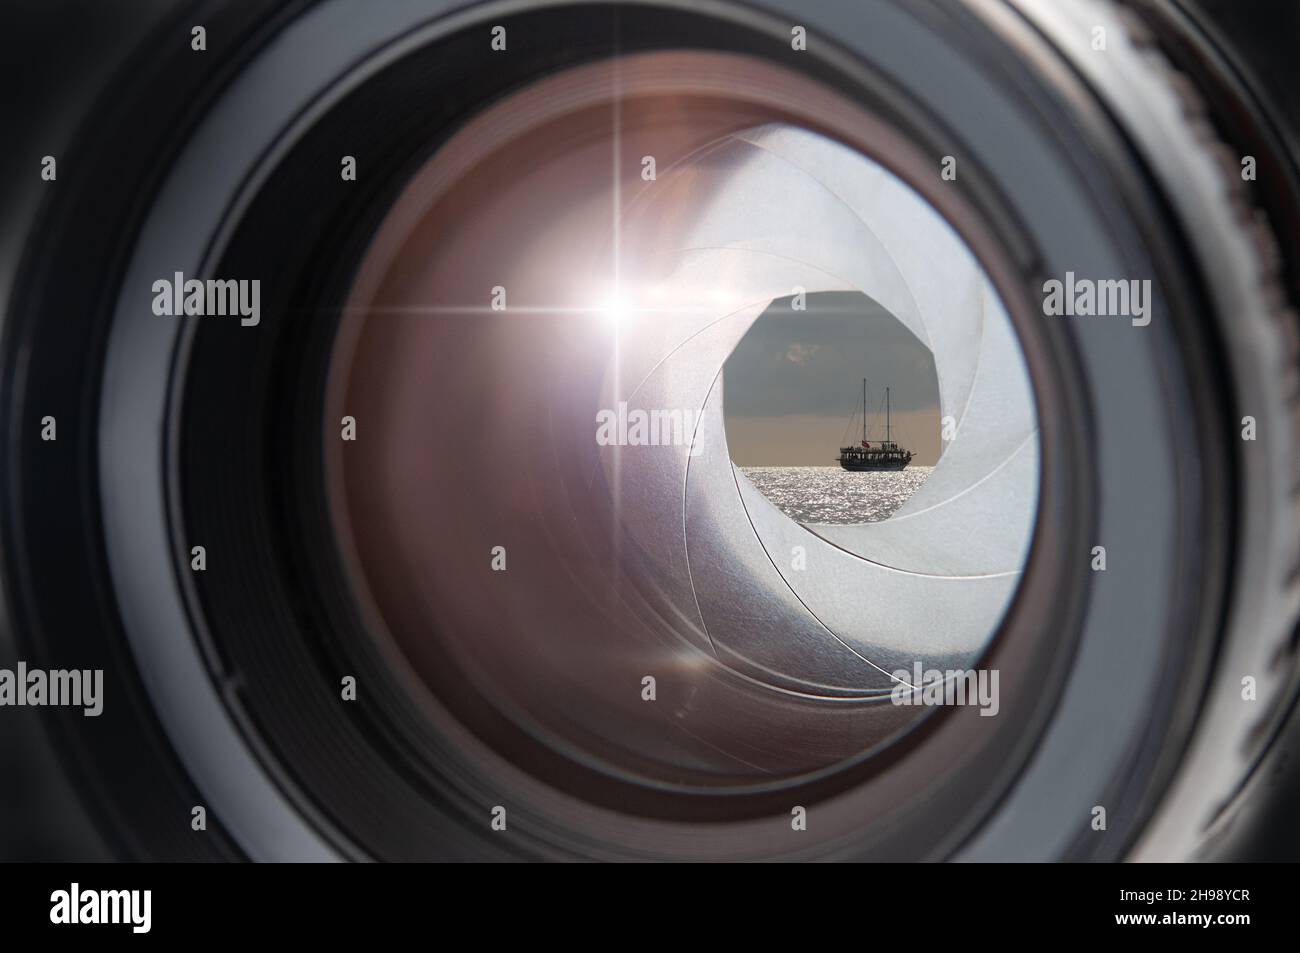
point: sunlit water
(834, 495)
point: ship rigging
(867, 457)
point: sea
(833, 494)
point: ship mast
(864, 411)
(887, 440)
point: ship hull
(856, 467)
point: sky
(795, 379)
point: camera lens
(690, 431)
(647, 612)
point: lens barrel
(1115, 539)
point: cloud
(800, 354)
(812, 362)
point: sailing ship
(869, 457)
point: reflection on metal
(764, 214)
(772, 644)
